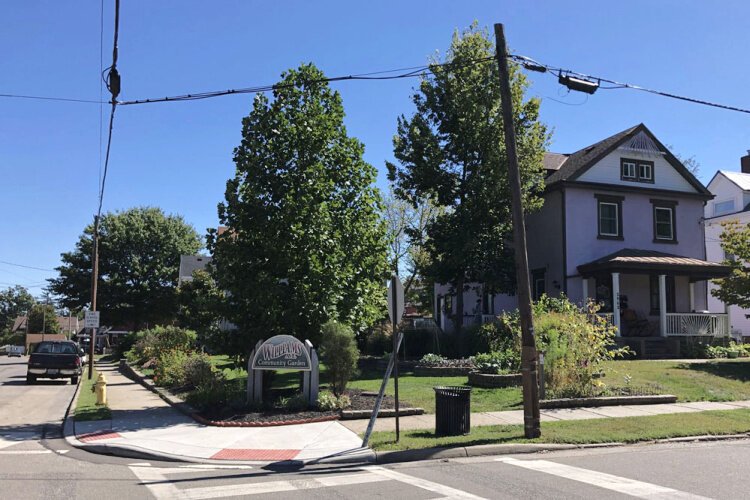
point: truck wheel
(30, 379)
(73, 380)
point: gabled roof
(739, 179)
(583, 159)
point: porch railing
(478, 319)
(714, 325)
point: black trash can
(452, 410)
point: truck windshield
(45, 348)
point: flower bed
(491, 381)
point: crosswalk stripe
(24, 452)
(424, 484)
(602, 480)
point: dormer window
(636, 170)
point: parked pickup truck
(54, 359)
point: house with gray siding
(622, 224)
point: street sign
(399, 299)
(91, 320)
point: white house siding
(725, 190)
(607, 171)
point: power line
(25, 266)
(45, 98)
(533, 65)
(414, 71)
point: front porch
(648, 294)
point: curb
(361, 414)
(594, 402)
(230, 423)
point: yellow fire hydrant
(100, 388)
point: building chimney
(745, 163)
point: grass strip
(605, 430)
(86, 407)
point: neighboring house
(69, 325)
(189, 264)
(731, 201)
(621, 224)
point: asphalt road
(35, 462)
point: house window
(609, 217)
(723, 207)
(664, 221)
(654, 293)
(627, 170)
(538, 283)
(636, 170)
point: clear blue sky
(178, 156)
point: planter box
(490, 381)
(441, 371)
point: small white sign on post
(91, 320)
(399, 300)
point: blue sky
(178, 156)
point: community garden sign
(283, 352)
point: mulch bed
(361, 400)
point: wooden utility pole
(529, 361)
(94, 282)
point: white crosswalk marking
(154, 478)
(607, 481)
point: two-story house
(731, 202)
(622, 223)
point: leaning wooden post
(532, 428)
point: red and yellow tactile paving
(260, 455)
(98, 435)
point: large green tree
(14, 301)
(201, 308)
(305, 243)
(139, 259)
(452, 151)
(735, 288)
(43, 319)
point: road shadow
(729, 369)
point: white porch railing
(715, 325)
(610, 317)
(478, 319)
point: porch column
(691, 292)
(616, 301)
(663, 305)
(585, 282)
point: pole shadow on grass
(730, 369)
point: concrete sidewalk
(145, 426)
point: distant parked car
(16, 350)
(54, 359)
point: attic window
(636, 170)
(723, 207)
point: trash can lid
(452, 388)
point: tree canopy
(43, 319)
(452, 152)
(14, 301)
(735, 288)
(139, 258)
(305, 243)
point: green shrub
(339, 350)
(151, 343)
(198, 370)
(432, 359)
(168, 371)
(328, 401)
(217, 396)
(497, 362)
(294, 403)
(378, 340)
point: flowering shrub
(437, 360)
(497, 362)
(328, 401)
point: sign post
(395, 312)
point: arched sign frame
(279, 353)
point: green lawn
(606, 430)
(720, 380)
(86, 407)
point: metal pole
(396, 345)
(94, 281)
(532, 428)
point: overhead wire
(25, 266)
